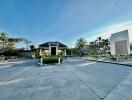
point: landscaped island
(52, 52)
(52, 60)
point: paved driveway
(75, 79)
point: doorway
(53, 50)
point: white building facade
(54, 48)
(119, 43)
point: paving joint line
(13, 76)
(116, 86)
(87, 86)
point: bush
(130, 56)
(52, 60)
(1, 58)
(113, 58)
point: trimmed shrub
(52, 60)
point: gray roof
(52, 43)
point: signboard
(119, 43)
(121, 47)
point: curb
(14, 62)
(111, 62)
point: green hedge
(1, 59)
(51, 60)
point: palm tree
(80, 44)
(27, 42)
(3, 38)
(13, 41)
(23, 40)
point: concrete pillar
(65, 52)
(50, 50)
(40, 52)
(56, 50)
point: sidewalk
(13, 61)
(126, 63)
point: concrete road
(75, 79)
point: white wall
(123, 35)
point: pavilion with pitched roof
(54, 48)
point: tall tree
(32, 47)
(93, 48)
(81, 44)
(99, 40)
(13, 41)
(99, 46)
(27, 42)
(105, 45)
(3, 38)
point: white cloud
(114, 29)
(108, 33)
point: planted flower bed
(52, 60)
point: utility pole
(27, 43)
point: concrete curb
(18, 61)
(14, 62)
(110, 62)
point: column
(57, 50)
(49, 49)
(65, 52)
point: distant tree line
(97, 47)
(9, 43)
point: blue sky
(61, 20)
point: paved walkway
(123, 62)
(75, 79)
